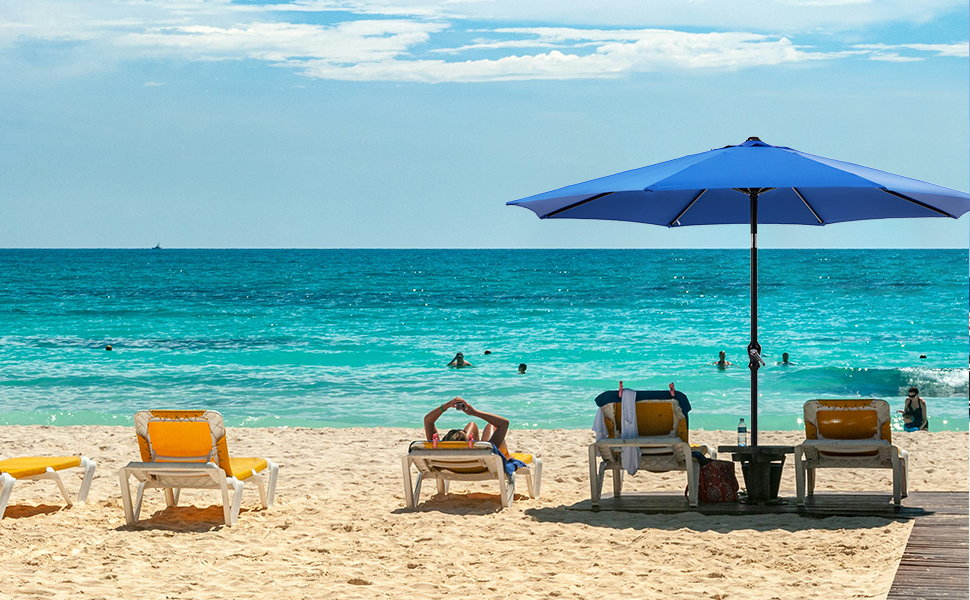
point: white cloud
(349, 42)
(652, 50)
(891, 52)
(399, 40)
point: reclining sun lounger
(659, 441)
(187, 449)
(848, 434)
(455, 461)
(34, 468)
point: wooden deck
(917, 505)
(935, 564)
(936, 561)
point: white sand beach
(340, 530)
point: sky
(411, 123)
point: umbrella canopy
(750, 183)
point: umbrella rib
(918, 203)
(576, 204)
(802, 198)
(675, 221)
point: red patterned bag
(718, 482)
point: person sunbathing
(494, 432)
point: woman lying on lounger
(494, 432)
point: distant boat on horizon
(157, 247)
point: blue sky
(398, 123)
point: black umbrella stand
(754, 348)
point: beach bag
(717, 481)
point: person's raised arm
(501, 424)
(434, 414)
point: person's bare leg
(487, 434)
(471, 431)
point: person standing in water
(522, 368)
(722, 362)
(459, 361)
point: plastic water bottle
(742, 434)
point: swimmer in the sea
(459, 361)
(722, 362)
(784, 359)
(522, 368)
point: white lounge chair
(455, 461)
(663, 440)
(187, 449)
(848, 434)
(35, 468)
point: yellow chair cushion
(242, 467)
(653, 419)
(526, 458)
(29, 466)
(180, 441)
(848, 425)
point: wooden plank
(936, 561)
(921, 505)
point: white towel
(599, 425)
(630, 457)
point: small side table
(761, 467)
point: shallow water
(362, 337)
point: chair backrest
(472, 462)
(654, 418)
(182, 436)
(848, 420)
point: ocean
(342, 338)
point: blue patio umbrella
(750, 183)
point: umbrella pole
(754, 348)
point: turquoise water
(361, 337)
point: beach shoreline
(340, 529)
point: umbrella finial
(753, 139)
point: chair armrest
(171, 466)
(817, 443)
(639, 442)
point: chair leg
(442, 488)
(693, 476)
(226, 502)
(274, 472)
(176, 492)
(138, 498)
(617, 481)
(536, 475)
(236, 499)
(169, 498)
(530, 486)
(126, 497)
(595, 482)
(82, 493)
(897, 479)
(810, 476)
(52, 474)
(6, 486)
(503, 482)
(799, 476)
(410, 495)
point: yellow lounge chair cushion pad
(29, 466)
(526, 458)
(242, 468)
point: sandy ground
(340, 530)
